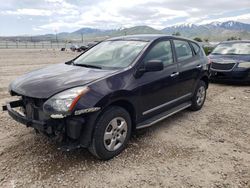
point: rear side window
(161, 51)
(196, 48)
(183, 50)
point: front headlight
(64, 102)
(244, 65)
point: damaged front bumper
(40, 125)
(71, 131)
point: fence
(38, 45)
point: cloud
(241, 18)
(116, 14)
(54, 1)
(49, 8)
(28, 12)
(68, 15)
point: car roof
(147, 37)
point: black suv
(122, 84)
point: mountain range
(215, 31)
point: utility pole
(56, 38)
(82, 37)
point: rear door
(189, 65)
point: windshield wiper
(88, 66)
(69, 62)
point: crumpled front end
(66, 131)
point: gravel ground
(208, 148)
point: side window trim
(192, 46)
(172, 52)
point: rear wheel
(111, 134)
(199, 96)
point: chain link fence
(37, 45)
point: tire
(115, 123)
(199, 96)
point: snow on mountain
(231, 25)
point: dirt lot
(209, 148)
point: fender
(88, 128)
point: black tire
(196, 105)
(98, 146)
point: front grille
(222, 66)
(34, 108)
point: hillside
(215, 31)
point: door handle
(198, 66)
(174, 74)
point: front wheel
(199, 96)
(111, 134)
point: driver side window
(161, 51)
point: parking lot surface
(208, 148)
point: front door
(159, 89)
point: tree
(206, 40)
(176, 34)
(233, 38)
(198, 39)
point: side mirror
(150, 66)
(153, 66)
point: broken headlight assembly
(62, 104)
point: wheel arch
(87, 135)
(205, 79)
(128, 106)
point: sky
(33, 17)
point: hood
(48, 81)
(228, 58)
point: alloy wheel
(201, 94)
(115, 134)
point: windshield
(111, 54)
(239, 48)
